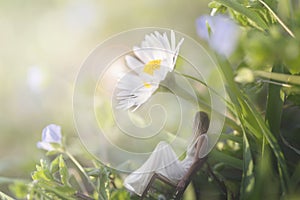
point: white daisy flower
(155, 57)
(150, 63)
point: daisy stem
(207, 107)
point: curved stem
(78, 165)
(229, 121)
(82, 196)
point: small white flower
(51, 134)
(150, 64)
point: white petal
(162, 72)
(163, 53)
(152, 47)
(124, 93)
(134, 64)
(172, 40)
(125, 105)
(179, 44)
(128, 81)
(154, 42)
(163, 40)
(141, 54)
(177, 51)
(148, 50)
(44, 145)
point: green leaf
(293, 94)
(248, 179)
(227, 159)
(66, 190)
(55, 145)
(281, 163)
(103, 183)
(248, 119)
(274, 104)
(120, 195)
(42, 172)
(93, 172)
(54, 166)
(63, 192)
(63, 171)
(253, 16)
(53, 152)
(253, 120)
(232, 137)
(295, 178)
(266, 180)
(19, 189)
(277, 18)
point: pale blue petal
(50, 134)
(224, 33)
(44, 145)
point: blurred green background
(43, 44)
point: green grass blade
(226, 159)
(245, 11)
(231, 137)
(278, 19)
(274, 105)
(248, 179)
(253, 120)
(281, 163)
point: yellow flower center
(151, 66)
(147, 85)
